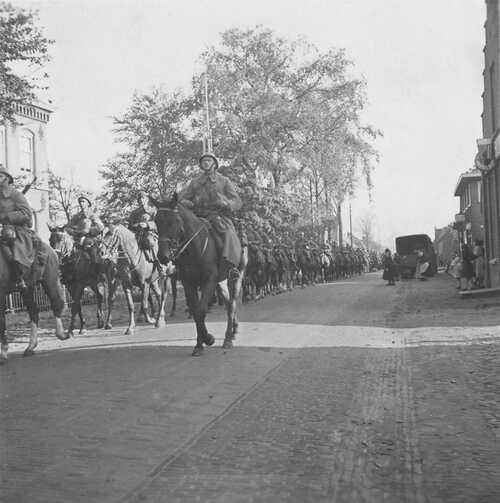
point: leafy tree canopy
(23, 49)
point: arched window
(27, 151)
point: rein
(185, 245)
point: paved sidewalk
(278, 335)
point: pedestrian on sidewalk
(389, 269)
(478, 252)
(467, 273)
(422, 265)
(455, 268)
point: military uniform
(85, 227)
(142, 224)
(213, 196)
(16, 219)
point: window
(3, 146)
(467, 196)
(27, 151)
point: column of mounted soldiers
(278, 258)
(281, 258)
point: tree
(366, 228)
(262, 88)
(158, 148)
(22, 46)
(63, 197)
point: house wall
(23, 152)
(491, 126)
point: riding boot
(18, 269)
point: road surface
(345, 392)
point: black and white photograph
(249, 251)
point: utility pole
(207, 143)
(350, 223)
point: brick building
(488, 156)
(23, 152)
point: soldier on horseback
(141, 223)
(214, 197)
(85, 226)
(15, 222)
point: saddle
(40, 252)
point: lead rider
(213, 196)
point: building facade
(469, 190)
(488, 156)
(446, 244)
(23, 152)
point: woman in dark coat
(389, 268)
(467, 267)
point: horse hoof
(108, 326)
(209, 339)
(69, 334)
(61, 335)
(100, 325)
(29, 352)
(197, 351)
(228, 344)
(129, 331)
(160, 324)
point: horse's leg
(32, 308)
(55, 294)
(173, 284)
(4, 342)
(199, 309)
(99, 294)
(224, 288)
(127, 289)
(112, 284)
(76, 309)
(230, 291)
(159, 288)
(145, 287)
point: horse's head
(59, 239)
(170, 226)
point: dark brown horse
(45, 270)
(78, 272)
(188, 241)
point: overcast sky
(422, 60)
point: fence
(15, 300)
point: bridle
(188, 242)
(114, 246)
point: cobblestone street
(320, 413)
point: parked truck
(407, 248)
